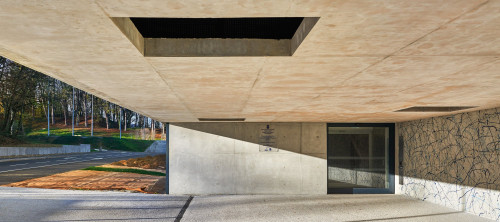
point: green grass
(81, 132)
(121, 170)
(109, 143)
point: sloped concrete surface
(157, 147)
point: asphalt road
(19, 169)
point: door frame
(391, 188)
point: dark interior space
(233, 28)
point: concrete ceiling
(363, 60)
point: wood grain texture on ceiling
(362, 61)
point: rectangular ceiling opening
(215, 37)
(435, 108)
(224, 28)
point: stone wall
(226, 158)
(454, 161)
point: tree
(27, 96)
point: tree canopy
(27, 96)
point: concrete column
(167, 138)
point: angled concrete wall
(159, 146)
(226, 158)
(454, 161)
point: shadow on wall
(305, 139)
(302, 138)
(225, 158)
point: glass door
(360, 158)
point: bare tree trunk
(77, 100)
(64, 113)
(73, 114)
(144, 126)
(85, 108)
(48, 117)
(120, 122)
(11, 121)
(153, 129)
(52, 107)
(43, 107)
(162, 129)
(125, 121)
(20, 127)
(136, 119)
(107, 120)
(92, 113)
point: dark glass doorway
(360, 158)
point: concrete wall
(454, 161)
(159, 146)
(36, 151)
(226, 158)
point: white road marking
(27, 168)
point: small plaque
(267, 139)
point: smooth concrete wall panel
(313, 138)
(314, 175)
(243, 147)
(35, 151)
(267, 174)
(454, 161)
(288, 136)
(225, 158)
(215, 47)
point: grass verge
(109, 143)
(125, 171)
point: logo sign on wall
(267, 139)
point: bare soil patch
(149, 162)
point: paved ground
(340, 207)
(31, 204)
(19, 169)
(24, 204)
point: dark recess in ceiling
(233, 28)
(222, 119)
(435, 108)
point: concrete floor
(31, 204)
(25, 204)
(344, 207)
